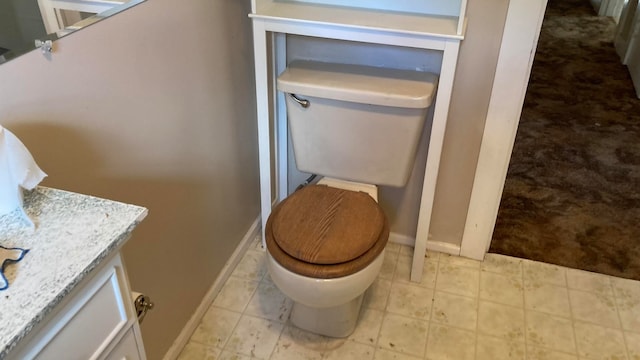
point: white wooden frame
(521, 32)
(627, 30)
(611, 8)
(269, 43)
(50, 10)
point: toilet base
(338, 321)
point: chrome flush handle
(302, 102)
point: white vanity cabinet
(69, 297)
(435, 26)
(95, 321)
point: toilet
(358, 127)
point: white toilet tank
(356, 123)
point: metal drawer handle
(302, 102)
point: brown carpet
(572, 195)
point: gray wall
(153, 107)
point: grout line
(571, 305)
(565, 275)
(384, 315)
(476, 331)
(242, 313)
(575, 337)
(226, 341)
(564, 352)
(589, 321)
(377, 338)
(573, 320)
(386, 302)
(615, 304)
(430, 321)
(395, 265)
(275, 347)
(524, 310)
(497, 303)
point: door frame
(519, 41)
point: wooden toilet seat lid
(325, 270)
(324, 225)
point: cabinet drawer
(127, 348)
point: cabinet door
(90, 324)
(87, 323)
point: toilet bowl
(358, 126)
(325, 280)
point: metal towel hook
(45, 46)
(302, 102)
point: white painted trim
(281, 136)
(441, 8)
(611, 8)
(374, 36)
(263, 115)
(436, 139)
(627, 30)
(443, 247)
(431, 245)
(462, 17)
(522, 28)
(183, 338)
(401, 239)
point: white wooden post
(262, 108)
(521, 32)
(440, 115)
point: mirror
(22, 22)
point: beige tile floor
(502, 308)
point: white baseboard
(182, 339)
(443, 247)
(439, 246)
(402, 239)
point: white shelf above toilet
(436, 25)
(443, 24)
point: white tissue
(18, 171)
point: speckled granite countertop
(73, 234)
